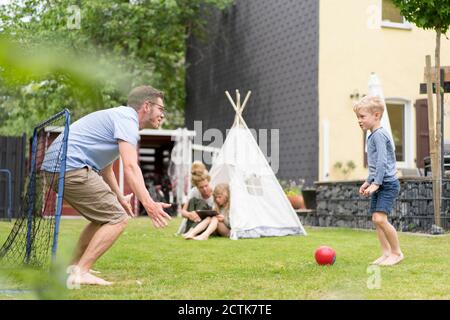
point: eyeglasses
(161, 108)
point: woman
(219, 224)
(199, 198)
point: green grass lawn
(146, 263)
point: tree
(116, 45)
(432, 14)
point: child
(219, 223)
(382, 184)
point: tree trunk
(432, 135)
(437, 210)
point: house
(307, 62)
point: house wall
(352, 45)
(271, 48)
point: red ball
(325, 255)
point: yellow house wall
(352, 45)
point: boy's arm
(370, 177)
(363, 187)
(380, 144)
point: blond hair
(224, 190)
(371, 104)
(197, 166)
(199, 173)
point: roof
(164, 132)
(144, 132)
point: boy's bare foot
(78, 278)
(392, 259)
(200, 238)
(381, 259)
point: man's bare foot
(73, 267)
(200, 238)
(381, 259)
(392, 259)
(78, 278)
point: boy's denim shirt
(381, 158)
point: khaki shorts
(87, 192)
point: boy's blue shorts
(384, 198)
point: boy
(382, 184)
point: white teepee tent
(258, 206)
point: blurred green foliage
(87, 55)
(426, 14)
(22, 282)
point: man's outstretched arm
(134, 177)
(110, 178)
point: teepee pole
(231, 99)
(238, 115)
(238, 102)
(245, 101)
(234, 106)
(242, 121)
(238, 99)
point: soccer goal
(34, 237)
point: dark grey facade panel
(12, 158)
(271, 48)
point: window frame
(405, 25)
(408, 135)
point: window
(253, 184)
(397, 120)
(391, 12)
(391, 17)
(399, 112)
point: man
(95, 142)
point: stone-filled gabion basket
(340, 205)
